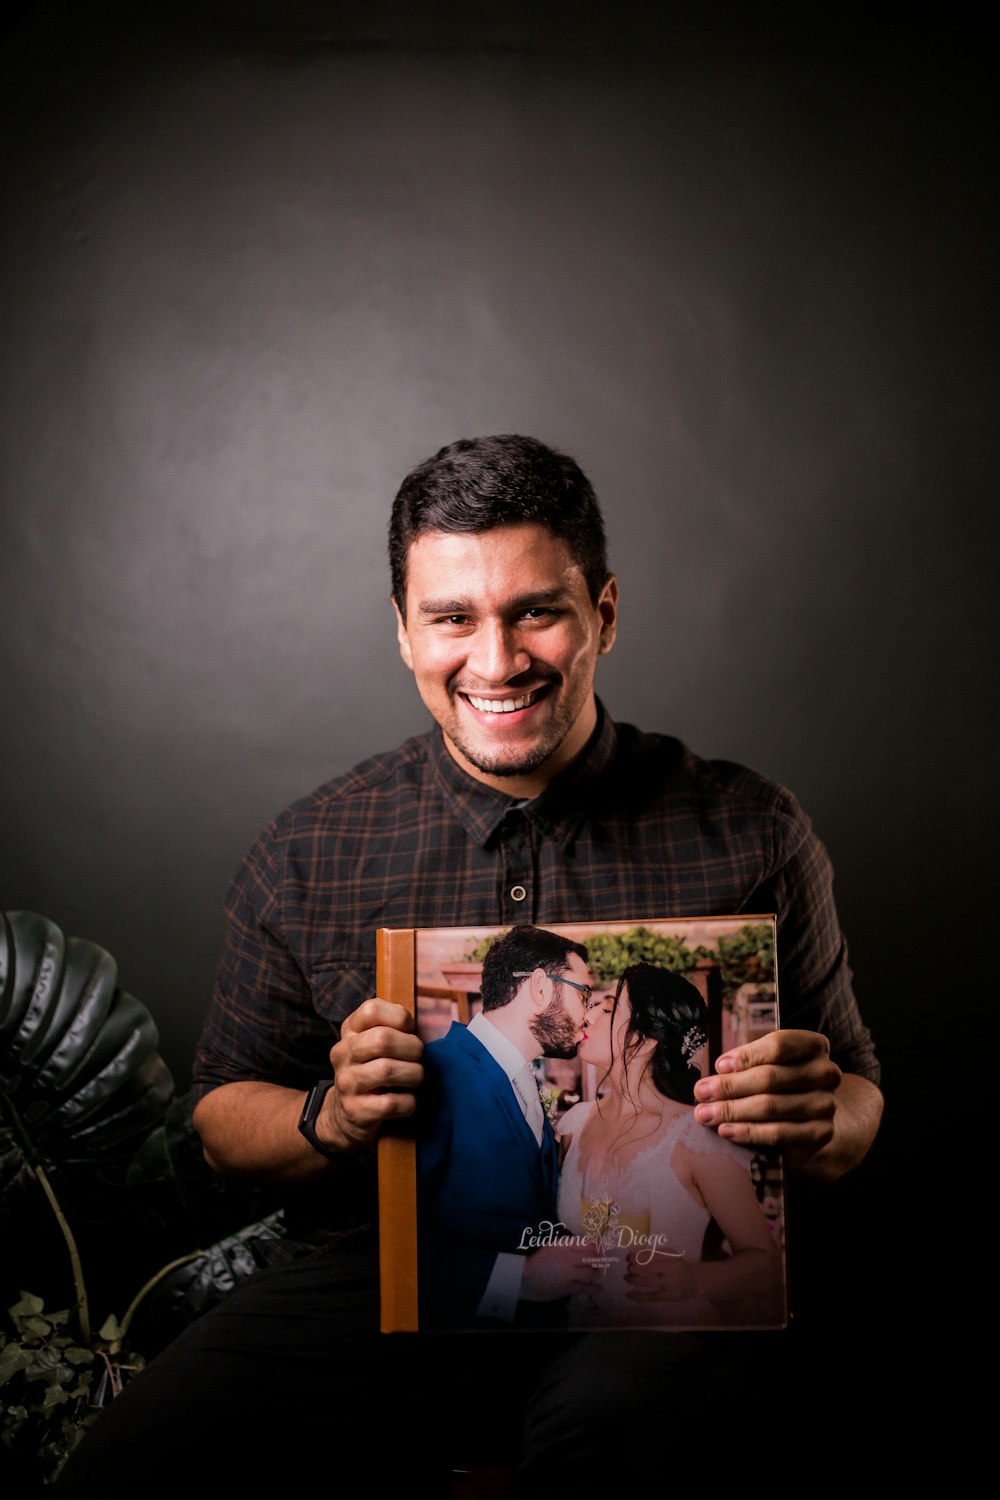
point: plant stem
(34, 1162)
(83, 1306)
(144, 1290)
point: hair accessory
(694, 1039)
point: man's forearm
(856, 1121)
(251, 1129)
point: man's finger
(380, 1041)
(765, 1108)
(796, 1141)
(376, 1012)
(818, 1074)
(379, 1075)
(783, 1047)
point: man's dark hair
(480, 483)
(521, 950)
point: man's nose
(497, 655)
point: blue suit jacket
(483, 1181)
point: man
(486, 1154)
(525, 804)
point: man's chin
(503, 764)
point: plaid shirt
(638, 829)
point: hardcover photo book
(554, 1175)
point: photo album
(554, 1175)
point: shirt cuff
(503, 1289)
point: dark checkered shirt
(638, 829)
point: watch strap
(310, 1114)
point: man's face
(559, 1027)
(503, 639)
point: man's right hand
(556, 1270)
(377, 1068)
(250, 1128)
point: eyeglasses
(586, 990)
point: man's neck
(516, 1031)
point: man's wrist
(309, 1118)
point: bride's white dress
(648, 1179)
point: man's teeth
(500, 705)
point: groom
(486, 1153)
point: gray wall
(260, 259)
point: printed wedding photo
(561, 1178)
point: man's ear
(402, 637)
(537, 987)
(607, 609)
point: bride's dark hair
(666, 1008)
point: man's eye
(452, 620)
(538, 612)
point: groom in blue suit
(486, 1153)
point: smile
(504, 705)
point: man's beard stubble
(499, 765)
(556, 1030)
(530, 760)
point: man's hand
(377, 1068)
(782, 1091)
(250, 1128)
(556, 1270)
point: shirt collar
(502, 1051)
(557, 811)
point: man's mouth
(504, 705)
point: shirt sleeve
(262, 1024)
(815, 983)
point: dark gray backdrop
(262, 258)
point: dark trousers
(289, 1376)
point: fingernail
(705, 1114)
(704, 1088)
(726, 1064)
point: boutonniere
(548, 1096)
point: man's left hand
(783, 1092)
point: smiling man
(503, 604)
(502, 636)
(525, 804)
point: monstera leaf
(100, 1171)
(81, 1081)
(88, 1110)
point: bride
(663, 1176)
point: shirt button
(517, 893)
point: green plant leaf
(12, 1359)
(27, 1306)
(54, 1396)
(74, 1355)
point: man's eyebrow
(535, 600)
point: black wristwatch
(310, 1114)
